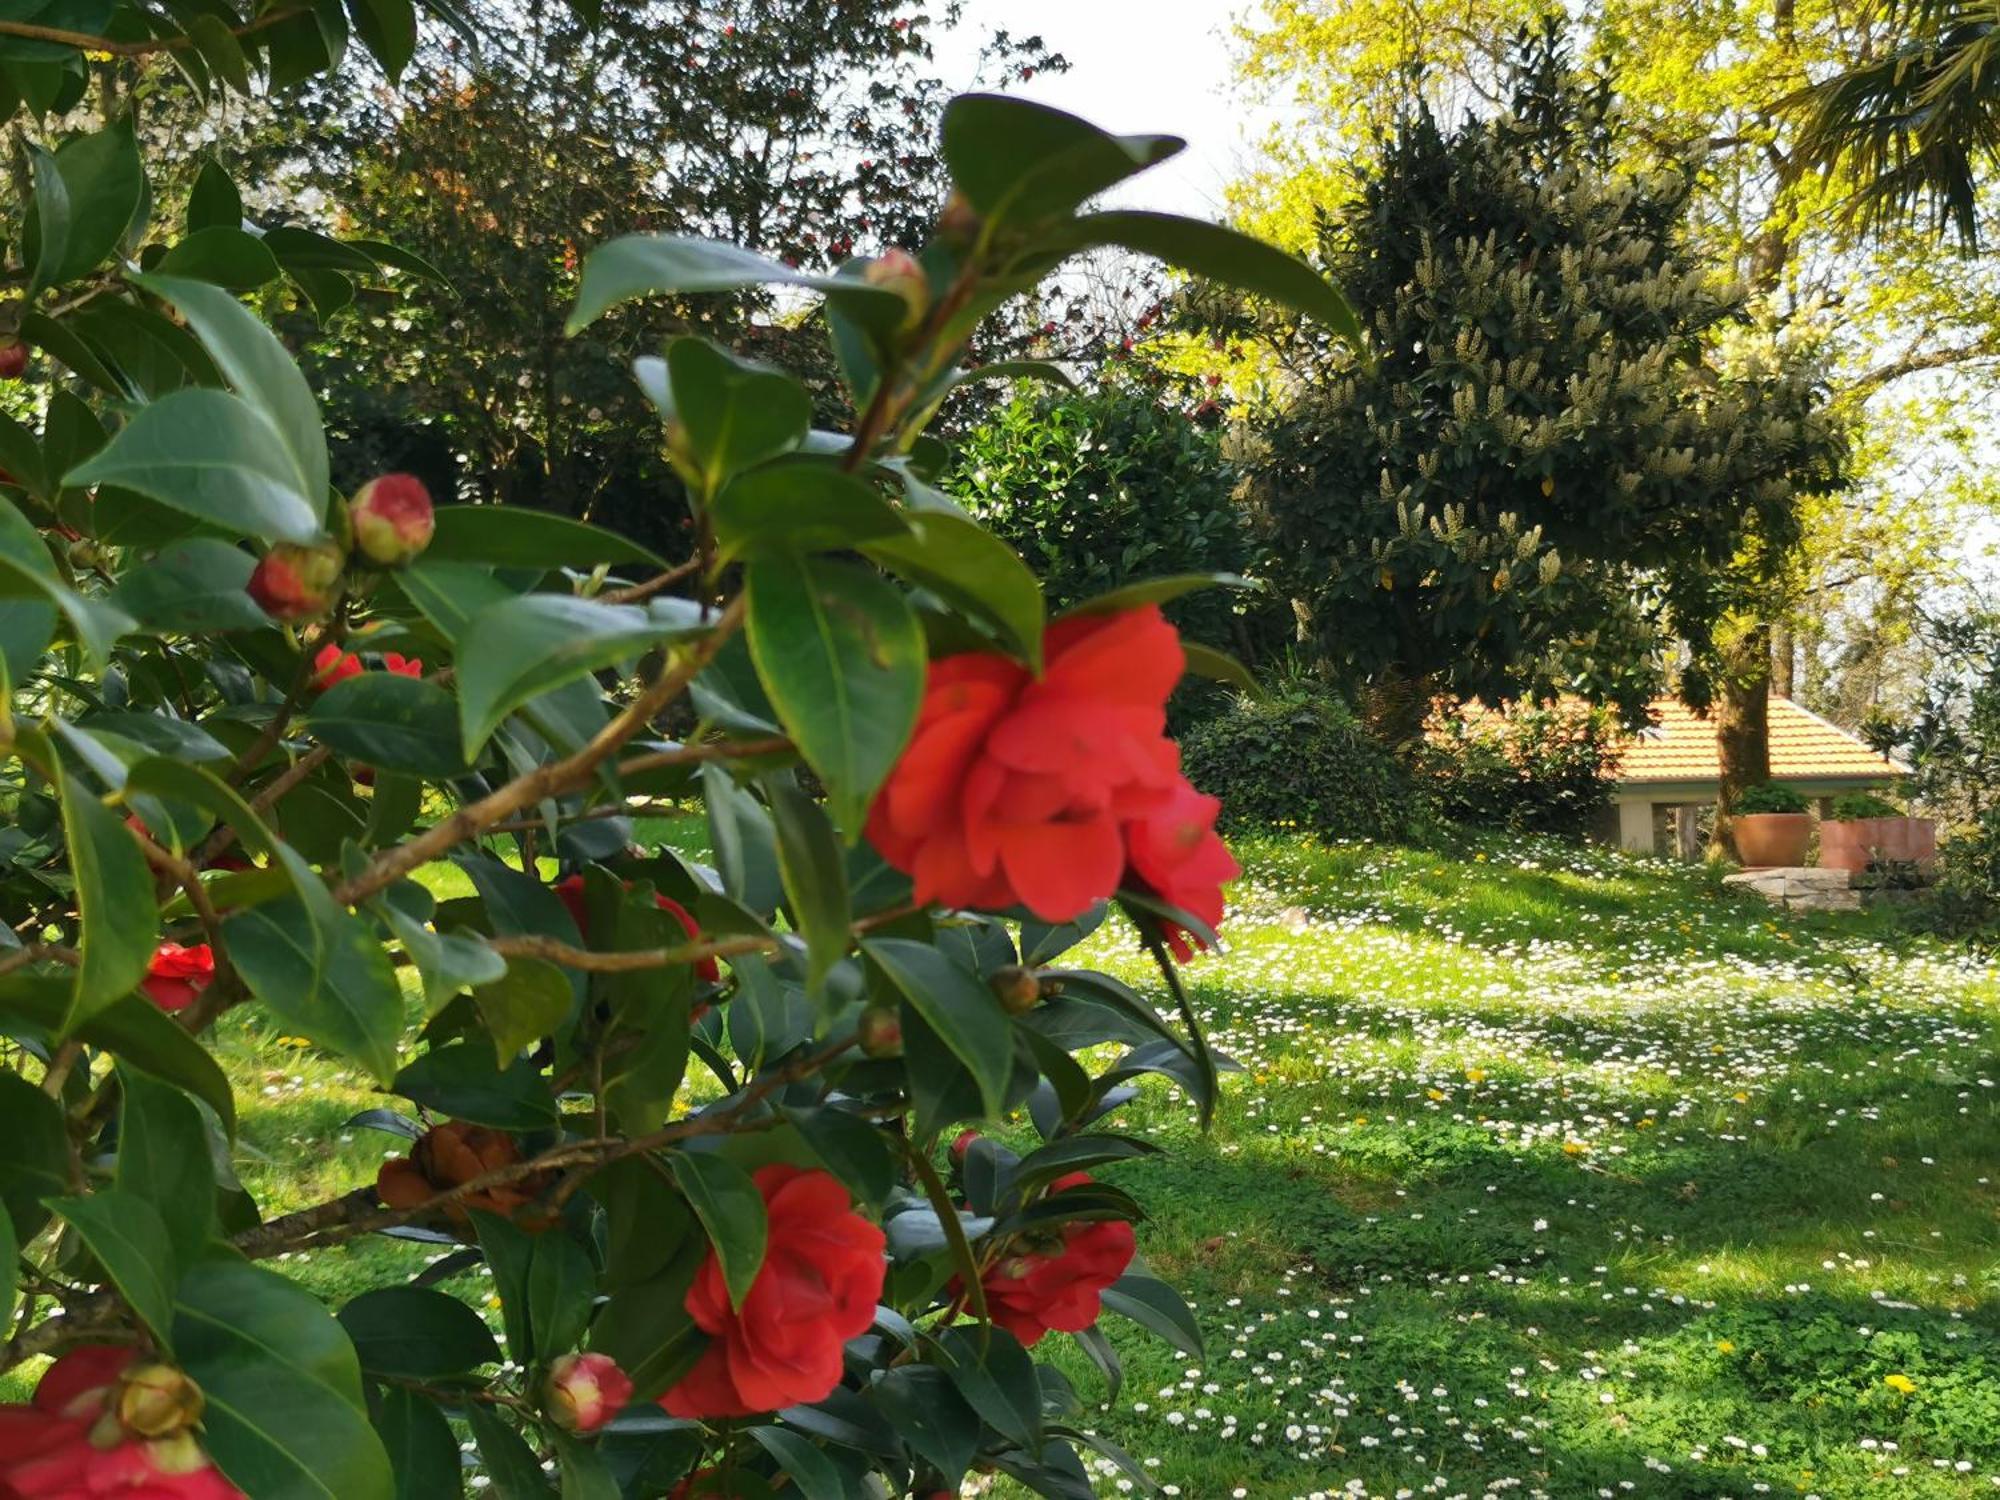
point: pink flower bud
(295, 582)
(13, 359)
(585, 1391)
(897, 271)
(880, 1031)
(392, 518)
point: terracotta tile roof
(1804, 747)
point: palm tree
(1914, 125)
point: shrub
(1854, 806)
(1306, 762)
(1534, 769)
(1965, 901)
(1771, 797)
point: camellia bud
(897, 271)
(294, 582)
(392, 518)
(585, 1391)
(962, 1144)
(13, 359)
(881, 1031)
(1018, 988)
(157, 1401)
(959, 221)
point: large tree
(1544, 470)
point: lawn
(1552, 1173)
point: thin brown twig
(20, 958)
(652, 585)
(89, 43)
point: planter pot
(1764, 840)
(1855, 843)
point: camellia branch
(89, 43)
(551, 780)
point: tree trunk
(1742, 723)
(1784, 662)
(1396, 707)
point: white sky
(1137, 66)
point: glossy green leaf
(450, 595)
(509, 1250)
(649, 1012)
(194, 587)
(417, 1334)
(640, 265)
(1158, 1308)
(745, 843)
(210, 455)
(1015, 160)
(284, 1413)
(460, 1081)
(512, 1471)
(214, 201)
(531, 644)
(841, 655)
(1226, 255)
(227, 257)
(511, 536)
(99, 183)
(222, 51)
(163, 1160)
(733, 413)
(35, 1165)
(561, 1285)
(114, 894)
(996, 1376)
(422, 1452)
(586, 1474)
(392, 722)
(523, 1005)
(1161, 590)
(924, 1406)
(124, 1232)
(802, 505)
(855, 1150)
(388, 29)
(811, 1473)
(957, 1006)
(325, 975)
(815, 879)
(971, 570)
(1219, 666)
(731, 1211)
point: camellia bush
(714, 1133)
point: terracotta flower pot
(1855, 843)
(1764, 840)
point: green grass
(1551, 1173)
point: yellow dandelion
(1901, 1383)
(1361, 1119)
(1574, 1148)
(1434, 1094)
(1476, 1075)
(1741, 1098)
(1725, 1346)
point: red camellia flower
(176, 975)
(292, 582)
(821, 1278)
(335, 665)
(105, 1423)
(571, 893)
(1037, 1290)
(1176, 853)
(1018, 791)
(585, 1391)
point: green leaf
(971, 570)
(1017, 369)
(210, 455)
(325, 975)
(460, 1080)
(561, 1286)
(226, 257)
(745, 843)
(811, 1472)
(957, 1006)
(388, 29)
(214, 201)
(509, 1250)
(523, 1005)
(802, 505)
(640, 265)
(1158, 1308)
(451, 595)
(731, 1210)
(114, 894)
(163, 1160)
(733, 413)
(853, 1149)
(650, 1009)
(510, 536)
(139, 1032)
(922, 1405)
(392, 722)
(585, 1473)
(223, 52)
(422, 1452)
(124, 1232)
(997, 1380)
(284, 1414)
(1158, 591)
(842, 657)
(1225, 255)
(536, 642)
(10, 1251)
(35, 1165)
(510, 1463)
(417, 1334)
(194, 587)
(645, 1220)
(100, 184)
(1018, 161)
(815, 879)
